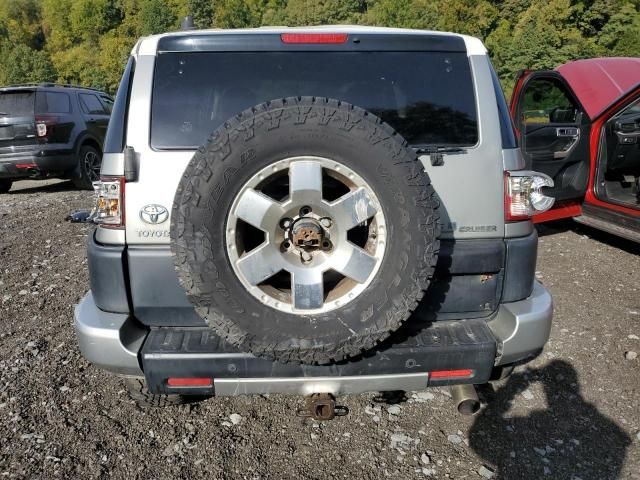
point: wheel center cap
(307, 234)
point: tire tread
(216, 149)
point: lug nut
(326, 222)
(285, 246)
(305, 210)
(305, 256)
(285, 223)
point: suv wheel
(5, 186)
(305, 230)
(89, 168)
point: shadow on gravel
(44, 188)
(393, 397)
(569, 439)
(560, 226)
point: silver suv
(314, 211)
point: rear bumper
(522, 328)
(45, 160)
(117, 343)
(110, 341)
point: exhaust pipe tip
(468, 407)
(465, 399)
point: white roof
(149, 45)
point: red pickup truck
(580, 124)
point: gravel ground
(573, 413)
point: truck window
(427, 97)
(545, 101)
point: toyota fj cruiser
(51, 130)
(315, 211)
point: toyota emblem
(154, 214)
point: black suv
(49, 130)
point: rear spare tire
(305, 230)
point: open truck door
(612, 200)
(553, 132)
(590, 147)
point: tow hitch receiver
(322, 406)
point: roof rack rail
(52, 84)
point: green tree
(202, 11)
(56, 24)
(543, 37)
(21, 22)
(238, 13)
(472, 17)
(618, 30)
(421, 14)
(23, 64)
(316, 12)
(114, 51)
(627, 44)
(155, 17)
(89, 19)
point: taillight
(44, 125)
(109, 201)
(41, 129)
(523, 197)
(26, 166)
(314, 38)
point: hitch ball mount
(322, 406)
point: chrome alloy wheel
(306, 235)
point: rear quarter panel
(470, 186)
(159, 172)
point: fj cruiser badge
(154, 214)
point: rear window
(16, 103)
(426, 96)
(53, 102)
